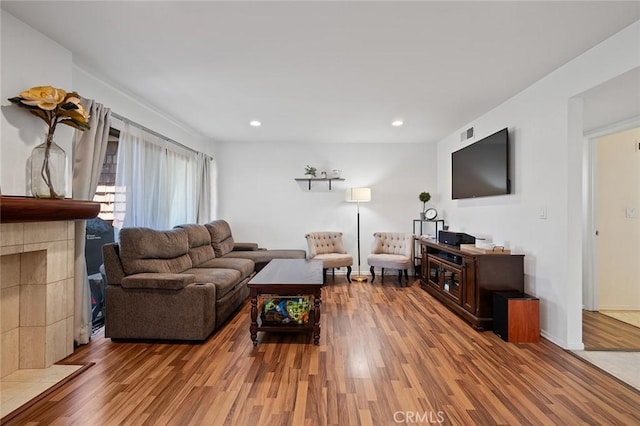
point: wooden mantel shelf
(15, 209)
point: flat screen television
(482, 168)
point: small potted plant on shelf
(424, 197)
(310, 171)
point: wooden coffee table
(287, 277)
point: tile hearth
(22, 386)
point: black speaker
(455, 238)
(501, 315)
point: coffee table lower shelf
(313, 323)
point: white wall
(618, 177)
(28, 59)
(31, 59)
(263, 203)
(545, 126)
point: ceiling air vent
(466, 135)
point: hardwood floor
(600, 332)
(387, 355)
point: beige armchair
(393, 251)
(328, 247)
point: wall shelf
(313, 179)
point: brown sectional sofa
(180, 284)
(224, 246)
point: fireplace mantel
(14, 209)
(37, 300)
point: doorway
(611, 318)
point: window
(100, 230)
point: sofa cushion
(225, 280)
(200, 249)
(245, 266)
(244, 246)
(158, 281)
(148, 250)
(264, 256)
(221, 238)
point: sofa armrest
(158, 281)
(112, 263)
(245, 246)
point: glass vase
(48, 171)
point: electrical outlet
(630, 212)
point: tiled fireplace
(36, 294)
(37, 249)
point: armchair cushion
(390, 261)
(391, 250)
(393, 243)
(158, 281)
(334, 260)
(325, 242)
(148, 250)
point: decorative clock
(431, 214)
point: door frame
(590, 285)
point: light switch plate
(542, 213)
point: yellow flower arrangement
(53, 106)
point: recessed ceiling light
(397, 123)
(255, 123)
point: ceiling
(324, 71)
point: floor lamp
(359, 195)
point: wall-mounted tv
(482, 168)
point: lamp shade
(358, 195)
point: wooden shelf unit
(313, 179)
(418, 231)
(465, 282)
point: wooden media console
(465, 281)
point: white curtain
(205, 197)
(181, 186)
(155, 182)
(89, 150)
